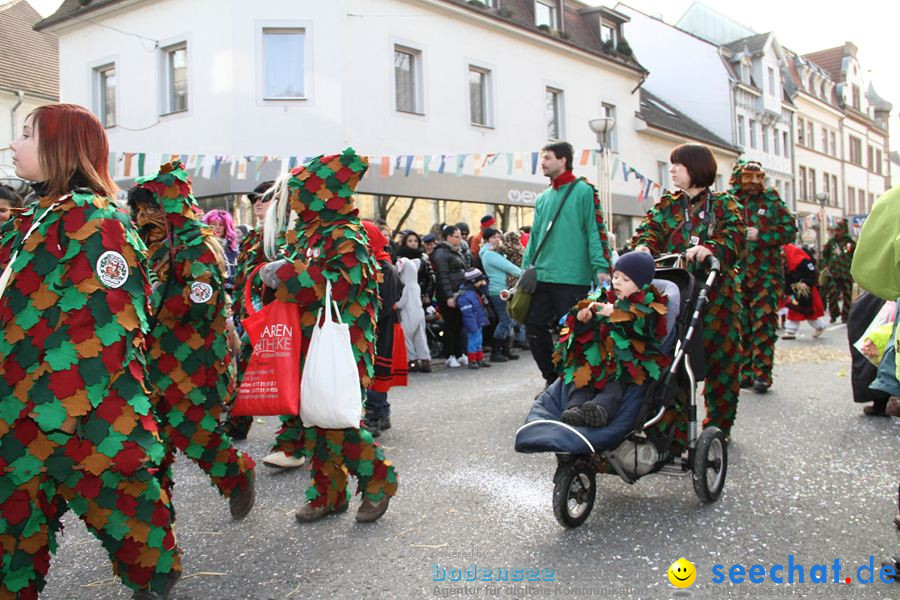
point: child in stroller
(606, 345)
(638, 439)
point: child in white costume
(412, 315)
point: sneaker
(372, 511)
(452, 363)
(242, 498)
(280, 460)
(789, 335)
(463, 360)
(474, 365)
(818, 332)
(307, 513)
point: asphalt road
(808, 476)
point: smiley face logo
(682, 573)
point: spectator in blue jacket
(497, 267)
(471, 301)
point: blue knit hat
(638, 266)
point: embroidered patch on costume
(112, 269)
(201, 292)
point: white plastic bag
(330, 394)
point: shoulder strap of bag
(248, 302)
(553, 220)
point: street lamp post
(602, 126)
(823, 199)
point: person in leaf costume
(700, 223)
(329, 242)
(188, 355)
(837, 255)
(76, 425)
(610, 339)
(770, 225)
(250, 255)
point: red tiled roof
(830, 60)
(29, 61)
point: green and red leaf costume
(189, 361)
(76, 426)
(329, 242)
(761, 276)
(837, 255)
(623, 347)
(714, 220)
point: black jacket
(449, 270)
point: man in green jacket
(574, 256)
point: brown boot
(371, 511)
(243, 498)
(307, 513)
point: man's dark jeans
(549, 303)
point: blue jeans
(377, 405)
(505, 324)
(473, 341)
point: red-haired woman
(700, 223)
(76, 429)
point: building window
(772, 81)
(812, 185)
(824, 140)
(834, 190)
(870, 157)
(810, 138)
(283, 49)
(856, 102)
(662, 174)
(740, 130)
(105, 94)
(408, 80)
(826, 187)
(878, 159)
(855, 150)
(752, 133)
(480, 93)
(545, 13)
(553, 99)
(786, 144)
(801, 180)
(608, 34)
(801, 133)
(765, 138)
(833, 139)
(720, 182)
(776, 142)
(745, 73)
(609, 110)
(175, 73)
(787, 192)
(851, 200)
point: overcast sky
(801, 25)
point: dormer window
(608, 34)
(545, 13)
(745, 73)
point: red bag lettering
(271, 383)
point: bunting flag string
(126, 165)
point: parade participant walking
(837, 255)
(250, 255)
(800, 287)
(568, 227)
(769, 226)
(498, 269)
(329, 242)
(76, 428)
(189, 361)
(701, 223)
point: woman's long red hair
(71, 141)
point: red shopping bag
(271, 383)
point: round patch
(201, 292)
(112, 269)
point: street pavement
(808, 476)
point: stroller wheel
(573, 493)
(710, 464)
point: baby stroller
(632, 445)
